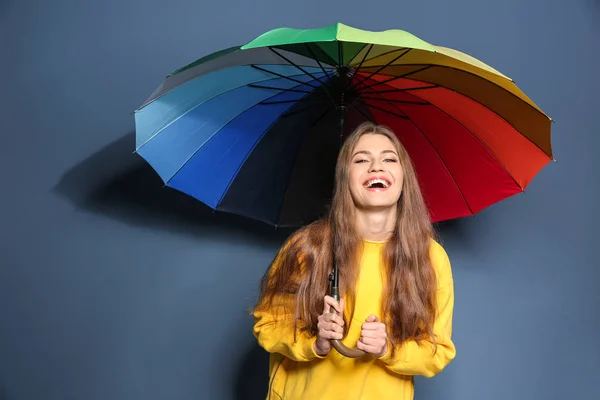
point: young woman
(396, 286)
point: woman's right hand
(330, 325)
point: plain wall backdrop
(112, 287)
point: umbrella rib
(287, 114)
(199, 104)
(394, 78)
(358, 68)
(470, 73)
(288, 181)
(436, 152)
(425, 103)
(306, 72)
(267, 102)
(316, 59)
(212, 136)
(281, 76)
(383, 98)
(282, 115)
(388, 111)
(370, 118)
(291, 79)
(365, 56)
(278, 88)
(407, 89)
(486, 148)
(483, 145)
(357, 85)
(320, 117)
(444, 164)
(474, 99)
(387, 53)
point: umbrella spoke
(295, 80)
(389, 112)
(289, 78)
(358, 68)
(303, 109)
(395, 78)
(360, 110)
(382, 68)
(320, 117)
(387, 53)
(389, 102)
(312, 53)
(425, 103)
(407, 89)
(280, 89)
(266, 102)
(305, 71)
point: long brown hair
(301, 268)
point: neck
(376, 225)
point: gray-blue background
(113, 288)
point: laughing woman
(395, 282)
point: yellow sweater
(297, 372)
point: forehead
(374, 143)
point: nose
(376, 166)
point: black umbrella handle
(338, 345)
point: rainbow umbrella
(255, 129)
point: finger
(373, 326)
(373, 334)
(330, 325)
(325, 334)
(372, 318)
(369, 341)
(334, 318)
(335, 328)
(366, 347)
(326, 306)
(332, 303)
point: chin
(378, 206)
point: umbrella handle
(338, 345)
(342, 348)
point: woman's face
(375, 173)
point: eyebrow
(369, 153)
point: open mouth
(377, 184)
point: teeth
(371, 182)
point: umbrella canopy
(255, 129)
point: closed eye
(390, 160)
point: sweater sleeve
(274, 330)
(274, 326)
(417, 357)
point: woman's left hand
(373, 337)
